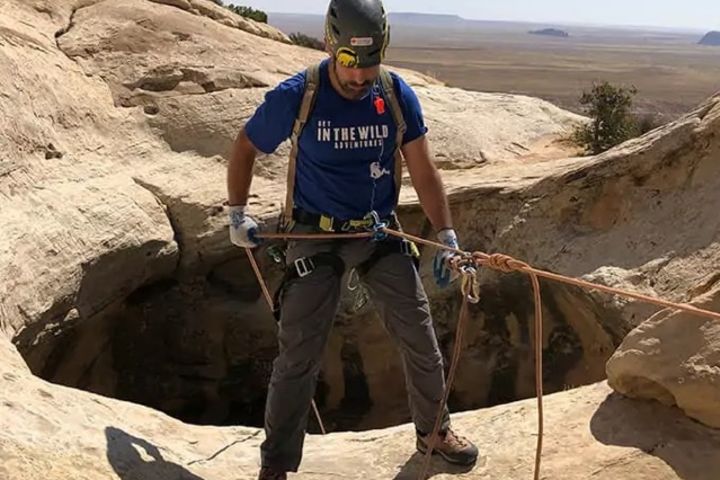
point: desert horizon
(672, 72)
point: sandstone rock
(77, 233)
(55, 433)
(200, 106)
(490, 131)
(211, 10)
(601, 217)
(114, 155)
(674, 358)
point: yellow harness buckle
(359, 223)
(326, 223)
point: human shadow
(129, 464)
(685, 445)
(415, 463)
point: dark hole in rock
(202, 350)
(151, 109)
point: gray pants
(309, 305)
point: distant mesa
(550, 32)
(712, 38)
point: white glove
(442, 272)
(243, 229)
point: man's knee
(302, 342)
(295, 367)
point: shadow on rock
(133, 458)
(688, 447)
(412, 467)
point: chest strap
(312, 85)
(392, 99)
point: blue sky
(695, 14)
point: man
(345, 180)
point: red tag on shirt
(380, 105)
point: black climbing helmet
(357, 32)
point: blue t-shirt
(345, 165)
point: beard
(352, 89)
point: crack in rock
(177, 234)
(66, 29)
(226, 447)
(168, 77)
(71, 23)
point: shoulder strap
(312, 84)
(392, 100)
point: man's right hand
(243, 229)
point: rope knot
(502, 263)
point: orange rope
(470, 293)
(538, 371)
(506, 264)
(503, 263)
(314, 236)
(261, 280)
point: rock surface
(113, 183)
(674, 358)
(199, 81)
(52, 432)
(638, 217)
(118, 276)
(222, 15)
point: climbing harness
(327, 223)
(384, 246)
(301, 268)
(304, 266)
(468, 265)
(384, 96)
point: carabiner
(378, 227)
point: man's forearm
(240, 170)
(433, 199)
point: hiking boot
(267, 473)
(452, 447)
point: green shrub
(249, 12)
(612, 123)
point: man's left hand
(243, 229)
(444, 275)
